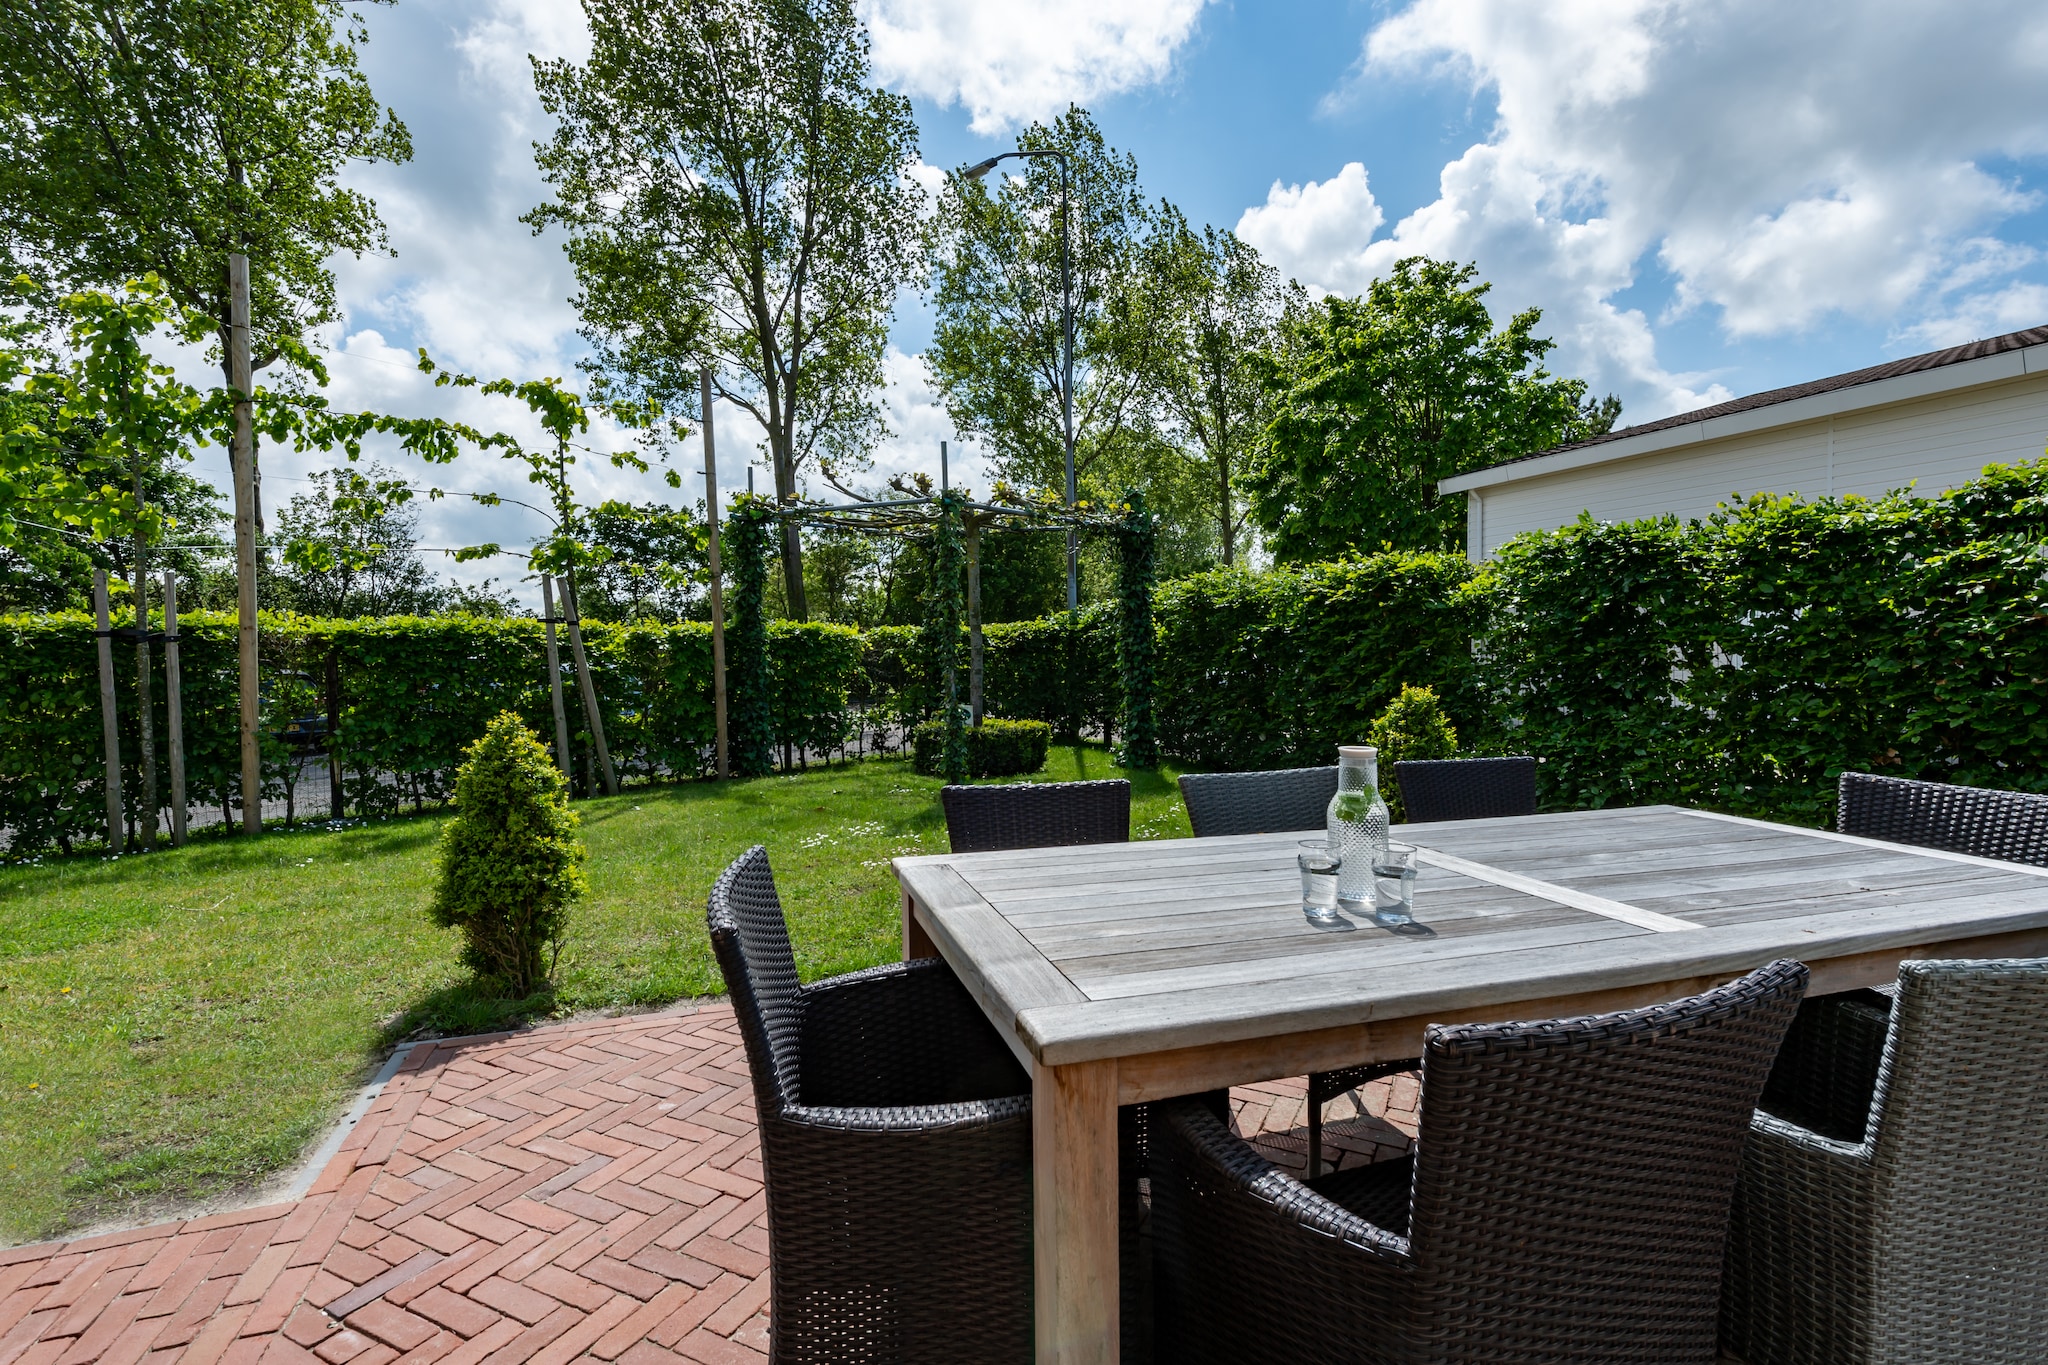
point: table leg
(1074, 1197)
(916, 942)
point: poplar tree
(738, 195)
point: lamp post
(976, 172)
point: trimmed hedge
(995, 748)
(1276, 669)
(1739, 664)
(1745, 663)
(416, 691)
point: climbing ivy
(1137, 640)
(750, 716)
(942, 628)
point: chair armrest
(911, 1120)
(1826, 1072)
(1797, 1279)
(902, 1034)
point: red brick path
(580, 1193)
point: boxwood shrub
(995, 748)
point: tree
(646, 561)
(996, 355)
(1376, 399)
(1224, 308)
(736, 194)
(349, 548)
(161, 135)
(511, 863)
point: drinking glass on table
(1319, 865)
(1393, 886)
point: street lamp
(976, 172)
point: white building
(1932, 421)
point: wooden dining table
(1122, 973)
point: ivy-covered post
(1136, 640)
(943, 628)
(750, 707)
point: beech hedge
(1739, 664)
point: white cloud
(1990, 313)
(1024, 59)
(1781, 164)
(1318, 233)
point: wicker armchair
(895, 1144)
(1258, 803)
(1054, 815)
(1909, 1223)
(1466, 788)
(1990, 824)
(1567, 1200)
(1037, 815)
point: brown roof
(1891, 369)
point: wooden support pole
(973, 541)
(547, 611)
(174, 710)
(145, 702)
(337, 790)
(242, 449)
(717, 580)
(110, 723)
(591, 714)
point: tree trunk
(792, 542)
(145, 713)
(1223, 496)
(584, 685)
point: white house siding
(1933, 443)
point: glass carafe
(1357, 823)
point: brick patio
(583, 1192)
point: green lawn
(180, 1024)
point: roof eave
(1967, 374)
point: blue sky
(1706, 197)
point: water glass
(1393, 886)
(1319, 865)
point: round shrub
(511, 861)
(1412, 726)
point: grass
(181, 1025)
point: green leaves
(1376, 399)
(511, 863)
(750, 720)
(160, 137)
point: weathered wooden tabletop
(1126, 972)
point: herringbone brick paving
(579, 1193)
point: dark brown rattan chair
(1037, 815)
(1990, 824)
(1567, 1201)
(1466, 788)
(895, 1146)
(1053, 815)
(1258, 803)
(1906, 1223)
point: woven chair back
(1959, 1162)
(1037, 815)
(1989, 824)
(751, 940)
(1258, 803)
(1589, 1162)
(1467, 788)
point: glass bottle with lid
(1357, 823)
